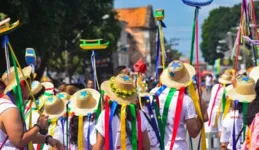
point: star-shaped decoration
(176, 65)
(50, 99)
(126, 78)
(172, 74)
(61, 96)
(83, 93)
(245, 79)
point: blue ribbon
(93, 67)
(234, 128)
(88, 132)
(160, 90)
(157, 55)
(113, 108)
(5, 41)
(62, 120)
(199, 144)
(162, 24)
(10, 96)
(153, 120)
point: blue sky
(179, 17)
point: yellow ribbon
(52, 128)
(227, 107)
(123, 127)
(196, 102)
(80, 141)
(162, 45)
(30, 125)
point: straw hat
(6, 76)
(244, 90)
(254, 73)
(54, 107)
(12, 80)
(63, 96)
(177, 74)
(120, 89)
(36, 87)
(84, 101)
(226, 77)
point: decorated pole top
(159, 14)
(197, 3)
(5, 26)
(96, 44)
(30, 56)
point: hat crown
(245, 85)
(176, 70)
(63, 96)
(54, 105)
(36, 86)
(123, 82)
(85, 100)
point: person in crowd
(122, 70)
(67, 88)
(2, 86)
(174, 80)
(233, 125)
(90, 84)
(208, 82)
(12, 127)
(127, 126)
(215, 109)
(83, 104)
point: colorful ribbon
(123, 127)
(53, 124)
(157, 56)
(177, 117)
(193, 35)
(234, 126)
(227, 107)
(159, 120)
(245, 107)
(213, 104)
(80, 141)
(96, 84)
(113, 109)
(89, 132)
(106, 123)
(134, 127)
(162, 25)
(140, 140)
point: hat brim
(79, 111)
(105, 86)
(254, 74)
(26, 71)
(223, 81)
(241, 98)
(51, 116)
(183, 82)
(145, 94)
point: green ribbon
(159, 121)
(165, 111)
(224, 100)
(134, 127)
(99, 108)
(193, 35)
(245, 108)
(17, 89)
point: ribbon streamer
(88, 132)
(245, 107)
(123, 127)
(80, 141)
(213, 104)
(159, 120)
(140, 140)
(134, 127)
(157, 56)
(226, 110)
(193, 34)
(106, 123)
(94, 71)
(162, 25)
(53, 124)
(234, 126)
(113, 109)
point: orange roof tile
(135, 17)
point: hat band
(119, 92)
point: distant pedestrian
(90, 84)
(122, 70)
(208, 82)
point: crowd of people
(125, 114)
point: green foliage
(172, 53)
(48, 25)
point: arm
(39, 139)
(194, 126)
(99, 142)
(13, 125)
(145, 142)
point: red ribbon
(178, 112)
(106, 123)
(157, 101)
(139, 130)
(213, 104)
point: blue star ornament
(83, 93)
(61, 96)
(176, 65)
(126, 78)
(172, 74)
(50, 99)
(245, 79)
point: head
(70, 89)
(2, 87)
(90, 84)
(122, 70)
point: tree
(48, 25)
(172, 53)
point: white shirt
(188, 112)
(154, 143)
(208, 80)
(116, 130)
(227, 129)
(216, 106)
